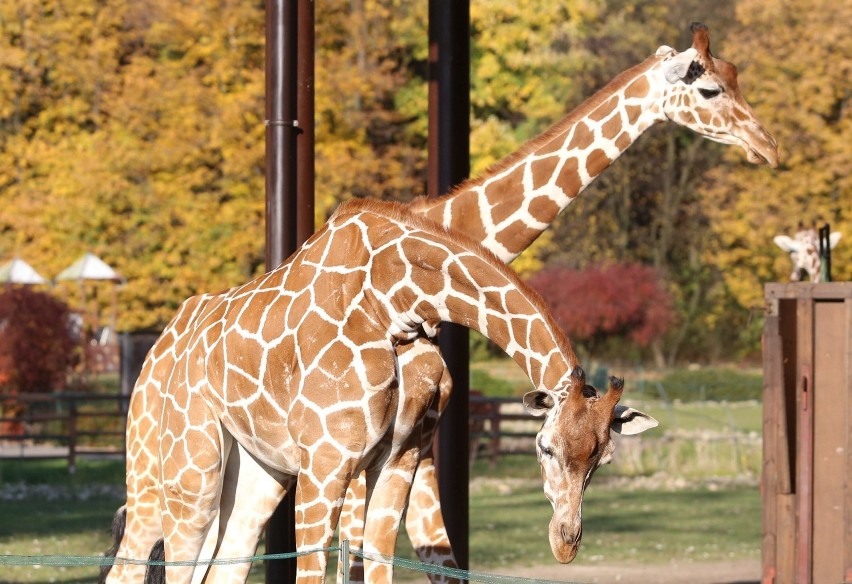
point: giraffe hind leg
(118, 523)
(156, 574)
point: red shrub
(36, 348)
(620, 300)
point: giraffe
(510, 205)
(298, 367)
(516, 200)
(804, 250)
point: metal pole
(289, 187)
(449, 164)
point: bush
(36, 348)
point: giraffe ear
(628, 421)
(538, 402)
(787, 243)
(833, 239)
(677, 67)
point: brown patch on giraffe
(337, 360)
(380, 369)
(517, 237)
(543, 209)
(393, 269)
(569, 178)
(497, 326)
(623, 141)
(515, 297)
(542, 170)
(299, 306)
(633, 112)
(250, 317)
(638, 89)
(500, 192)
(313, 334)
(611, 128)
(465, 216)
(597, 162)
(687, 117)
(426, 280)
(603, 110)
(583, 137)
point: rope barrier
(404, 563)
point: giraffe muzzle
(565, 539)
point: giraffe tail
(156, 574)
(118, 523)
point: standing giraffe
(516, 200)
(509, 206)
(298, 367)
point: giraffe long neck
(447, 277)
(512, 204)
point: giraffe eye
(709, 93)
(547, 451)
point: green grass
(509, 518)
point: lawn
(57, 514)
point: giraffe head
(702, 94)
(573, 442)
(804, 250)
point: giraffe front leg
(352, 527)
(324, 476)
(386, 504)
(192, 451)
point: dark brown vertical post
(289, 186)
(449, 164)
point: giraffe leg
(319, 499)
(352, 527)
(386, 504)
(142, 526)
(250, 494)
(193, 452)
(424, 521)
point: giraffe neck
(513, 203)
(450, 278)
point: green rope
(457, 573)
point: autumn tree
(597, 304)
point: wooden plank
(847, 475)
(829, 440)
(796, 290)
(773, 392)
(786, 544)
(805, 429)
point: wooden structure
(807, 496)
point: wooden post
(289, 187)
(449, 164)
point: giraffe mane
(403, 213)
(578, 113)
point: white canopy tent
(17, 271)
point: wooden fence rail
(62, 425)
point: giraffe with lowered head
(299, 367)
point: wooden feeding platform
(807, 471)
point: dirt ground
(735, 572)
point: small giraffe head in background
(573, 442)
(703, 95)
(804, 252)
